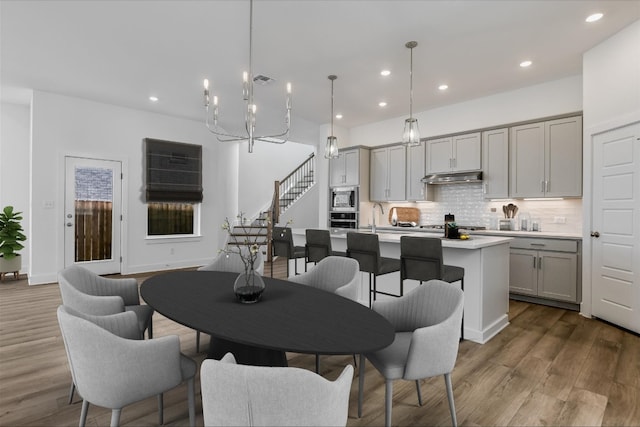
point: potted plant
(10, 238)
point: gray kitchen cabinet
(546, 159)
(388, 174)
(416, 160)
(345, 170)
(454, 153)
(545, 268)
(495, 163)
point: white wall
(543, 100)
(14, 166)
(70, 126)
(611, 86)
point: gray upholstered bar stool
(365, 247)
(282, 245)
(318, 246)
(421, 259)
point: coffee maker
(450, 227)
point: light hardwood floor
(548, 367)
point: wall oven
(343, 199)
(343, 207)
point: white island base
(485, 260)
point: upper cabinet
(388, 174)
(454, 153)
(495, 163)
(546, 159)
(345, 170)
(416, 161)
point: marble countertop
(537, 234)
(393, 234)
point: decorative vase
(394, 217)
(248, 287)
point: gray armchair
(88, 293)
(336, 274)
(271, 396)
(427, 323)
(112, 372)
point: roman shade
(173, 171)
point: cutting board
(405, 214)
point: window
(173, 187)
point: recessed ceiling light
(525, 64)
(153, 98)
(385, 73)
(594, 17)
(443, 87)
(338, 116)
(382, 104)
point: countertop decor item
(404, 215)
(510, 210)
(250, 107)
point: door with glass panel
(92, 217)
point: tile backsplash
(467, 203)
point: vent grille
(263, 80)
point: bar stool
(282, 245)
(365, 248)
(421, 259)
(318, 246)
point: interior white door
(93, 212)
(616, 227)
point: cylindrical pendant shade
(331, 149)
(411, 134)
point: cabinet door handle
(547, 186)
(540, 263)
(538, 244)
(484, 188)
(534, 263)
(542, 186)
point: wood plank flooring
(548, 367)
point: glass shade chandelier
(331, 149)
(411, 134)
(250, 106)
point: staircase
(286, 193)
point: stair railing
(297, 175)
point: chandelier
(411, 134)
(250, 106)
(331, 149)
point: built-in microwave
(344, 199)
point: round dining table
(289, 317)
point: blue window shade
(173, 171)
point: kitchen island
(485, 260)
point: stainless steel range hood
(453, 178)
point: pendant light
(411, 134)
(331, 149)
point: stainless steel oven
(343, 219)
(343, 199)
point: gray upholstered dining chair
(421, 259)
(427, 323)
(271, 396)
(282, 245)
(365, 247)
(336, 274)
(89, 293)
(318, 245)
(232, 262)
(113, 372)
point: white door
(92, 215)
(616, 227)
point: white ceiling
(121, 52)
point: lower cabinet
(545, 268)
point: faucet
(373, 216)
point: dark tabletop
(289, 317)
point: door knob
(595, 234)
(69, 224)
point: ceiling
(121, 52)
